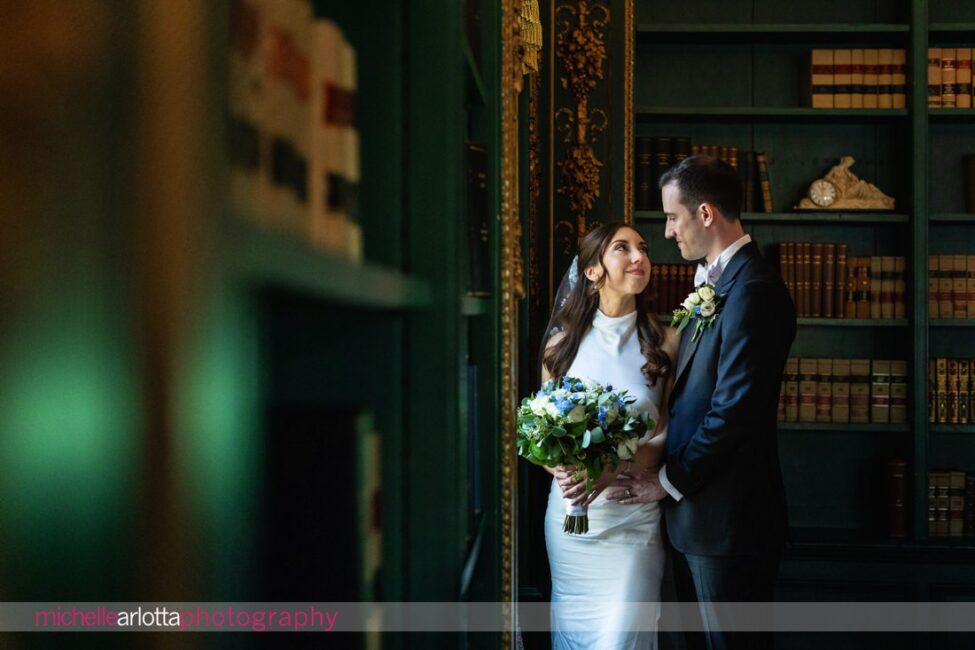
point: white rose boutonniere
(703, 305)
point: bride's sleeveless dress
(621, 558)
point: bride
(603, 331)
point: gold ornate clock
(841, 189)
(822, 192)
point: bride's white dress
(621, 558)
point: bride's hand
(568, 483)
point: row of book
(951, 286)
(669, 285)
(654, 156)
(950, 77)
(860, 391)
(854, 78)
(951, 504)
(951, 391)
(825, 283)
(293, 144)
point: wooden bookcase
(727, 73)
(171, 327)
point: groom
(721, 485)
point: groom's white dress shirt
(710, 274)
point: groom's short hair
(703, 179)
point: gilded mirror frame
(512, 266)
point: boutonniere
(702, 305)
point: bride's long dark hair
(580, 308)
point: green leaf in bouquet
(586, 439)
(596, 470)
(540, 452)
(597, 435)
(558, 432)
(576, 429)
(605, 397)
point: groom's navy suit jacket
(722, 453)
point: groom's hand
(644, 487)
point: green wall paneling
(853, 499)
(950, 12)
(948, 143)
(772, 12)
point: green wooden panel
(948, 143)
(952, 239)
(854, 496)
(771, 11)
(951, 11)
(799, 154)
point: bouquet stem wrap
(576, 519)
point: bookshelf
(734, 81)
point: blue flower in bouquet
(564, 405)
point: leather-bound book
(968, 514)
(959, 287)
(952, 393)
(816, 79)
(956, 504)
(949, 78)
(964, 391)
(887, 287)
(856, 78)
(840, 411)
(871, 73)
(839, 309)
(842, 78)
(829, 279)
(880, 391)
(764, 181)
(900, 288)
(896, 494)
(898, 79)
(934, 77)
(860, 391)
(808, 384)
(885, 78)
(963, 77)
(898, 392)
(791, 389)
(946, 284)
(645, 187)
(852, 287)
(876, 284)
(824, 390)
(941, 390)
(863, 288)
(816, 281)
(662, 161)
(934, 286)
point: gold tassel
(530, 31)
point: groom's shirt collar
(717, 267)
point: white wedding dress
(621, 559)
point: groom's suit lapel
(687, 347)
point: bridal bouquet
(583, 424)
